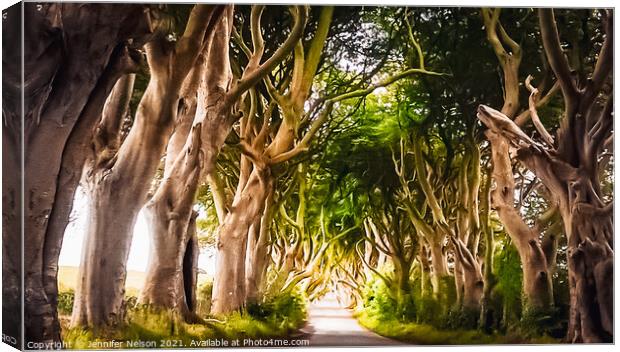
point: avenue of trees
(444, 166)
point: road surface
(330, 324)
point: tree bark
(472, 276)
(118, 182)
(12, 173)
(572, 175)
(537, 287)
(229, 286)
(169, 212)
(258, 251)
(489, 246)
(60, 89)
(439, 267)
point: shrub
(65, 302)
(286, 310)
(203, 298)
(507, 270)
(386, 303)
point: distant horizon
(138, 253)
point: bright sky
(138, 256)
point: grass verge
(424, 334)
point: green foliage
(66, 299)
(278, 316)
(285, 311)
(507, 269)
(203, 298)
(65, 302)
(426, 334)
(379, 300)
(143, 324)
(423, 319)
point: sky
(70, 253)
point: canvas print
(249, 175)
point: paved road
(329, 324)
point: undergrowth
(276, 316)
(426, 334)
(425, 318)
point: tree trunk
(172, 271)
(12, 199)
(402, 270)
(439, 269)
(189, 156)
(190, 267)
(67, 83)
(426, 287)
(537, 287)
(229, 280)
(590, 266)
(258, 251)
(471, 275)
(489, 246)
(571, 172)
(118, 182)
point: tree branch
(303, 144)
(604, 64)
(555, 55)
(521, 119)
(533, 99)
(251, 77)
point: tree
(129, 167)
(568, 166)
(68, 80)
(537, 287)
(214, 119)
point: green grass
(424, 334)
(278, 317)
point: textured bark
(170, 235)
(439, 268)
(432, 234)
(169, 212)
(468, 274)
(537, 287)
(73, 160)
(569, 170)
(425, 272)
(12, 204)
(571, 173)
(258, 251)
(229, 285)
(489, 246)
(64, 75)
(117, 182)
(473, 283)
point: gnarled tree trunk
(67, 79)
(537, 287)
(258, 251)
(570, 169)
(229, 286)
(169, 212)
(118, 181)
(12, 199)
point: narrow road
(330, 324)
